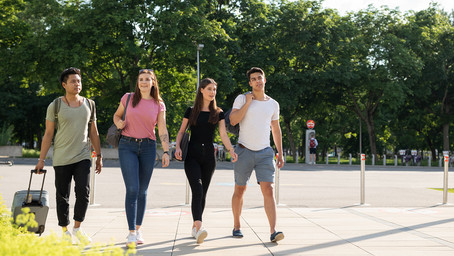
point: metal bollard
(349, 159)
(327, 157)
(93, 179)
(285, 157)
(395, 160)
(338, 159)
(445, 180)
(276, 183)
(384, 160)
(430, 161)
(373, 159)
(439, 161)
(362, 178)
(297, 156)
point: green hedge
(15, 240)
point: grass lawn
(450, 190)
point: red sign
(446, 158)
(310, 124)
(93, 154)
(363, 157)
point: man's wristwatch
(166, 152)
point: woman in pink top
(137, 147)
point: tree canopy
(391, 71)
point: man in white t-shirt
(258, 115)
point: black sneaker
(276, 236)
(237, 233)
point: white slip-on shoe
(201, 235)
(194, 232)
(67, 236)
(131, 240)
(81, 235)
(139, 237)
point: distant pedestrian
(257, 115)
(137, 147)
(200, 161)
(313, 143)
(75, 121)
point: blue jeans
(136, 161)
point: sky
(344, 6)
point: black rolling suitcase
(36, 200)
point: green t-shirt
(71, 144)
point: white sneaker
(132, 240)
(81, 235)
(68, 236)
(194, 232)
(201, 235)
(139, 237)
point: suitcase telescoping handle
(30, 183)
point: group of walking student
(73, 117)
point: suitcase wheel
(40, 229)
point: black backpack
(233, 129)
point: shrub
(6, 132)
(15, 240)
(30, 153)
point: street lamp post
(199, 47)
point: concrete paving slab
(319, 215)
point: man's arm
(238, 114)
(96, 144)
(45, 144)
(277, 138)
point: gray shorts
(261, 161)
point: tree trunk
(446, 137)
(445, 112)
(371, 131)
(40, 138)
(432, 148)
(290, 138)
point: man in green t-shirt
(75, 124)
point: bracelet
(166, 152)
(44, 160)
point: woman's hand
(178, 153)
(120, 124)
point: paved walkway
(319, 215)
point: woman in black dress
(200, 161)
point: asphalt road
(300, 185)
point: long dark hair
(198, 103)
(154, 89)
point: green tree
(431, 37)
(372, 67)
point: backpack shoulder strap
(91, 105)
(57, 103)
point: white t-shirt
(255, 127)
